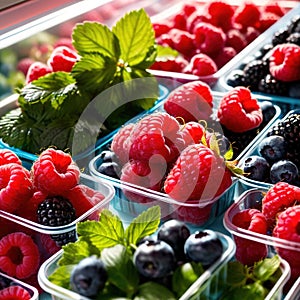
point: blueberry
(236, 78)
(154, 259)
(268, 110)
(145, 239)
(111, 169)
(175, 233)
(284, 170)
(273, 148)
(256, 167)
(108, 156)
(204, 247)
(89, 276)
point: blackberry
(280, 36)
(270, 85)
(254, 71)
(294, 38)
(294, 25)
(57, 211)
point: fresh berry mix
(49, 194)
(279, 153)
(273, 69)
(137, 261)
(208, 35)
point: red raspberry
(279, 197)
(24, 64)
(192, 101)
(209, 39)
(247, 251)
(251, 34)
(284, 62)
(287, 228)
(224, 56)
(197, 174)
(64, 41)
(157, 137)
(16, 187)
(275, 8)
(183, 41)
(165, 40)
(196, 17)
(267, 20)
(121, 143)
(161, 28)
(247, 14)
(171, 64)
(49, 245)
(62, 59)
(37, 70)
(54, 172)
(193, 132)
(189, 8)
(19, 255)
(239, 111)
(141, 174)
(7, 156)
(201, 65)
(179, 20)
(15, 292)
(236, 40)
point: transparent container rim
(294, 291)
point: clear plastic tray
(41, 233)
(285, 103)
(294, 292)
(13, 281)
(202, 286)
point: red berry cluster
(280, 216)
(208, 35)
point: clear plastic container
(286, 103)
(294, 292)
(13, 281)
(41, 235)
(202, 286)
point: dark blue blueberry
(111, 169)
(284, 170)
(108, 156)
(204, 247)
(268, 110)
(273, 148)
(154, 259)
(89, 276)
(256, 167)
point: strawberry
(192, 101)
(284, 62)
(37, 70)
(201, 65)
(15, 292)
(62, 58)
(7, 156)
(198, 173)
(239, 111)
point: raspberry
(193, 133)
(7, 157)
(284, 62)
(201, 65)
(248, 252)
(192, 101)
(287, 228)
(64, 41)
(224, 56)
(196, 17)
(239, 111)
(209, 39)
(251, 34)
(19, 255)
(24, 64)
(197, 174)
(141, 174)
(161, 28)
(62, 59)
(182, 41)
(37, 70)
(179, 20)
(236, 40)
(15, 292)
(156, 137)
(49, 245)
(54, 172)
(275, 8)
(15, 186)
(279, 197)
(247, 14)
(171, 64)
(267, 19)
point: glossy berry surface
(154, 259)
(111, 169)
(256, 168)
(204, 247)
(175, 233)
(273, 148)
(89, 276)
(284, 170)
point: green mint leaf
(264, 269)
(61, 276)
(94, 72)
(120, 268)
(93, 37)
(153, 291)
(236, 273)
(136, 36)
(144, 224)
(105, 233)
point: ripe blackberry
(294, 38)
(280, 36)
(57, 211)
(254, 71)
(270, 85)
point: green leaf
(136, 36)
(254, 291)
(93, 37)
(236, 273)
(144, 224)
(120, 268)
(164, 53)
(61, 276)
(153, 291)
(94, 72)
(108, 232)
(264, 269)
